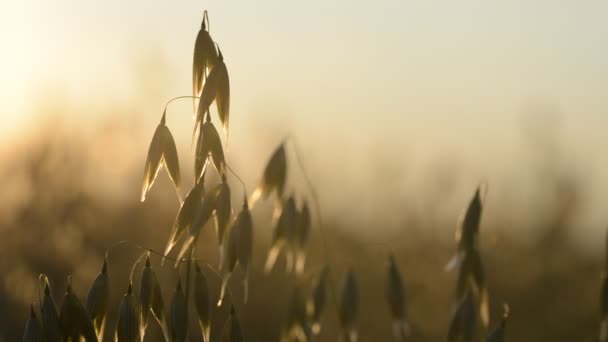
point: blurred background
(399, 110)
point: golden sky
(419, 80)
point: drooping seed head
(274, 177)
(179, 315)
(283, 235)
(222, 98)
(232, 331)
(74, 319)
(319, 297)
(33, 329)
(464, 320)
(202, 216)
(209, 145)
(151, 298)
(223, 210)
(302, 231)
(468, 227)
(129, 326)
(297, 327)
(162, 151)
(216, 88)
(244, 241)
(48, 309)
(186, 214)
(471, 278)
(303, 225)
(202, 301)
(205, 58)
(98, 299)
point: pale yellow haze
(423, 82)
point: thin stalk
(178, 98)
(238, 178)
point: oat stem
(238, 178)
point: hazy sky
(415, 78)
(334, 59)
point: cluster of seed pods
(292, 229)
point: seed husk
(98, 299)
(129, 326)
(232, 331)
(283, 235)
(223, 212)
(179, 315)
(216, 88)
(244, 246)
(205, 57)
(50, 316)
(274, 177)
(162, 151)
(186, 214)
(151, 299)
(302, 231)
(463, 321)
(297, 327)
(74, 319)
(33, 329)
(317, 303)
(202, 216)
(202, 302)
(209, 144)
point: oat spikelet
(33, 329)
(208, 145)
(316, 305)
(162, 151)
(467, 229)
(302, 231)
(239, 247)
(230, 257)
(202, 302)
(274, 177)
(463, 322)
(216, 88)
(232, 331)
(395, 295)
(205, 57)
(283, 235)
(186, 214)
(74, 319)
(48, 309)
(152, 300)
(98, 298)
(244, 246)
(223, 212)
(179, 315)
(128, 328)
(222, 99)
(297, 327)
(202, 216)
(349, 308)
